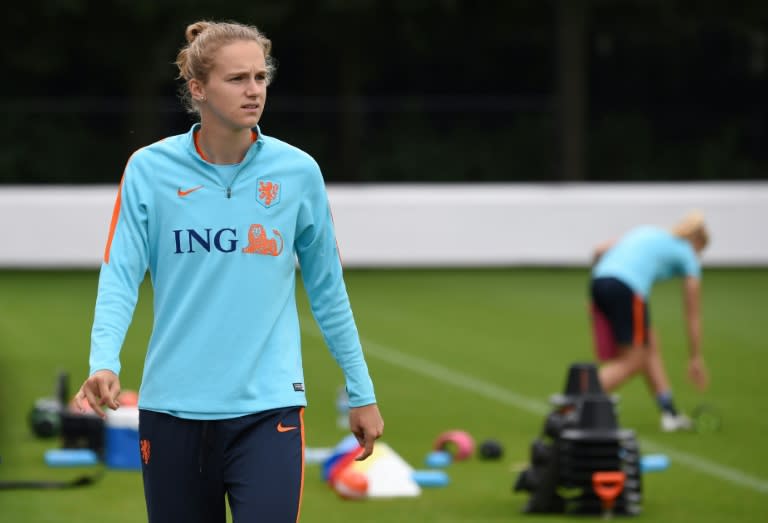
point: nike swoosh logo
(182, 194)
(284, 428)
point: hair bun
(194, 30)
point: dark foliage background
(407, 90)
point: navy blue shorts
(619, 317)
(189, 466)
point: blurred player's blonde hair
(693, 228)
(204, 38)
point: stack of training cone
(580, 445)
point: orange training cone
(608, 485)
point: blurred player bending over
(623, 274)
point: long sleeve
(322, 275)
(122, 271)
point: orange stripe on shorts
(638, 320)
(303, 451)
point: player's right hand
(101, 389)
(367, 426)
(697, 372)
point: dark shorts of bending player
(189, 466)
(619, 317)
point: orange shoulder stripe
(113, 224)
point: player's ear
(196, 89)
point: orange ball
(128, 398)
(351, 484)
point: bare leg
(660, 389)
(629, 362)
(655, 372)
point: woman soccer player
(622, 277)
(219, 216)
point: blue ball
(438, 459)
(430, 478)
(654, 463)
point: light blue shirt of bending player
(645, 255)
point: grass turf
(479, 350)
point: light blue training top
(222, 257)
(645, 255)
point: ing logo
(226, 240)
(268, 193)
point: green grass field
(478, 350)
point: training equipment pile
(582, 462)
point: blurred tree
(407, 90)
(572, 87)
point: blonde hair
(692, 228)
(204, 38)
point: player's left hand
(367, 426)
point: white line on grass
(502, 395)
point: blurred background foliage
(407, 90)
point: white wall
(428, 225)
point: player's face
(698, 245)
(236, 90)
